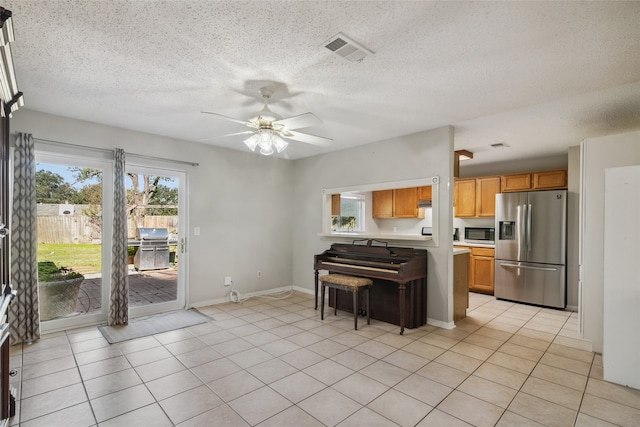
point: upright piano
(399, 291)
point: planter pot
(58, 299)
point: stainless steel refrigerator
(530, 263)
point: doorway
(75, 216)
(156, 231)
(73, 212)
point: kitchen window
(352, 210)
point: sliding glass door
(73, 213)
(155, 206)
(75, 210)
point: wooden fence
(87, 229)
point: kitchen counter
(473, 245)
(386, 236)
(460, 251)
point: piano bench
(348, 284)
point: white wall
(241, 202)
(598, 154)
(415, 156)
(573, 238)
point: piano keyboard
(360, 267)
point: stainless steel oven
(480, 235)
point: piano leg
(401, 289)
(316, 293)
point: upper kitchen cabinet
(397, 203)
(475, 197)
(548, 180)
(516, 182)
(486, 190)
(545, 180)
(425, 192)
(464, 197)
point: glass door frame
(106, 165)
(181, 296)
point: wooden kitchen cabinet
(481, 270)
(544, 180)
(517, 182)
(382, 204)
(335, 205)
(486, 190)
(397, 203)
(549, 180)
(464, 197)
(425, 193)
(476, 197)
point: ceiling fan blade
(231, 119)
(320, 141)
(301, 121)
(247, 132)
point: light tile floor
(272, 362)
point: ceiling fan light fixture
(279, 143)
(267, 140)
(252, 142)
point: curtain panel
(119, 300)
(25, 324)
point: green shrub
(48, 271)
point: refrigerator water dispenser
(507, 230)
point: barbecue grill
(153, 253)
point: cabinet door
(425, 193)
(519, 182)
(482, 270)
(382, 204)
(405, 203)
(464, 198)
(550, 180)
(335, 205)
(486, 190)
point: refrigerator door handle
(529, 267)
(519, 226)
(529, 213)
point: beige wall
(241, 202)
(415, 156)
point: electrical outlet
(228, 281)
(259, 273)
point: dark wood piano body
(399, 292)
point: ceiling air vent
(346, 48)
(500, 145)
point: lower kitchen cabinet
(481, 270)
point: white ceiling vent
(346, 48)
(500, 145)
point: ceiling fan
(269, 128)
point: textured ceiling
(538, 76)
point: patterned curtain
(119, 301)
(25, 324)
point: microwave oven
(479, 235)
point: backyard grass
(81, 257)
